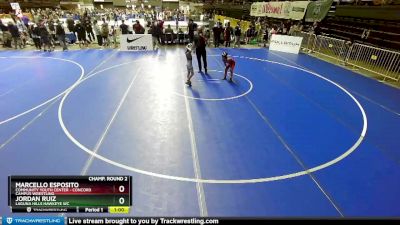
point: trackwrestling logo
(34, 220)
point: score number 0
(121, 189)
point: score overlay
(88, 194)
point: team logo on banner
(255, 9)
(9, 220)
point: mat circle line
(221, 181)
(220, 99)
(49, 100)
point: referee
(200, 44)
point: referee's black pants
(201, 53)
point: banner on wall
(284, 43)
(285, 10)
(136, 42)
(244, 25)
(316, 11)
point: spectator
(160, 31)
(217, 34)
(45, 37)
(113, 35)
(191, 28)
(316, 28)
(181, 36)
(169, 30)
(6, 35)
(284, 29)
(299, 27)
(52, 30)
(104, 33)
(36, 37)
(25, 20)
(249, 34)
(155, 35)
(138, 28)
(15, 35)
(60, 32)
(219, 24)
(71, 24)
(265, 37)
(169, 34)
(272, 32)
(238, 33)
(177, 21)
(228, 34)
(81, 31)
(97, 30)
(123, 27)
(89, 29)
(293, 30)
(207, 35)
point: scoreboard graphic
(78, 194)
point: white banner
(136, 42)
(284, 43)
(286, 10)
(15, 5)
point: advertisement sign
(284, 43)
(136, 42)
(285, 10)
